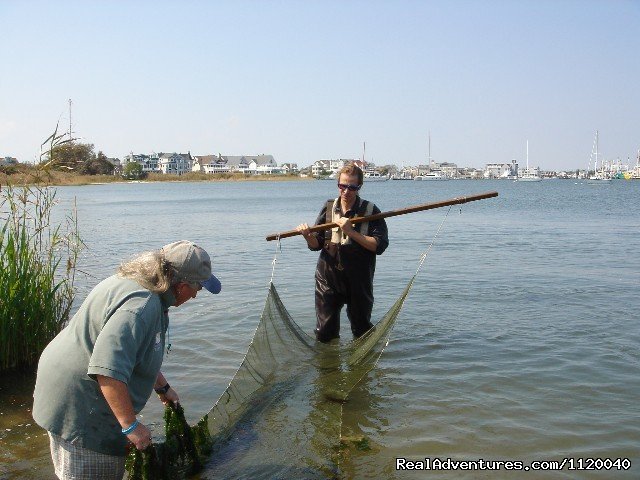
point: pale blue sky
(310, 80)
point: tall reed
(37, 271)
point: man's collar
(354, 207)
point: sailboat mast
(527, 155)
(595, 167)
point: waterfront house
(149, 163)
(289, 168)
(175, 163)
(210, 164)
(321, 167)
(117, 165)
(262, 165)
(236, 163)
(326, 167)
(197, 165)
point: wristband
(130, 428)
(162, 390)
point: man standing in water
(347, 263)
(98, 373)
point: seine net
(281, 415)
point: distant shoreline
(59, 179)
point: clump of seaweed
(183, 452)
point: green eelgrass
(181, 454)
(37, 267)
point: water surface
(519, 340)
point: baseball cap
(192, 264)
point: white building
(470, 173)
(497, 170)
(236, 163)
(263, 165)
(328, 166)
(289, 168)
(175, 163)
(149, 163)
(247, 164)
(448, 169)
(210, 164)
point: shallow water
(519, 340)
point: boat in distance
(431, 176)
(375, 177)
(530, 174)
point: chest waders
(344, 276)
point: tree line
(79, 158)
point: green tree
(70, 156)
(132, 171)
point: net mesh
(281, 415)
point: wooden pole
(390, 213)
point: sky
(305, 80)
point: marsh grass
(37, 270)
(30, 175)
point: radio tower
(69, 119)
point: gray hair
(150, 270)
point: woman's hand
(140, 437)
(170, 397)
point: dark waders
(344, 276)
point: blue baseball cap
(192, 264)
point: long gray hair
(150, 270)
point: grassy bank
(27, 175)
(37, 266)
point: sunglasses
(351, 188)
